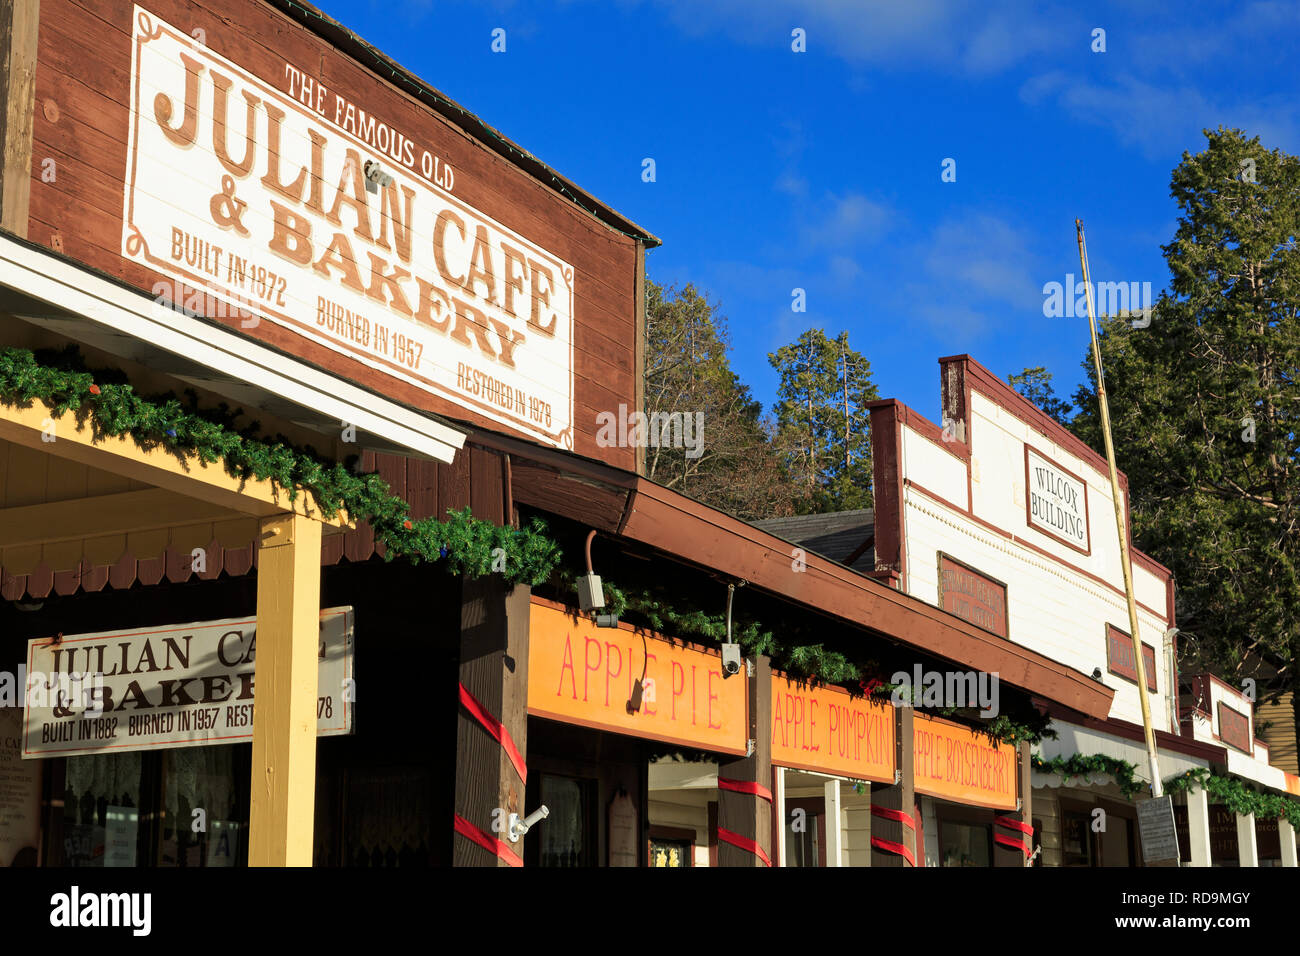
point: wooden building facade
(241, 203)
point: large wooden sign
(582, 674)
(261, 199)
(827, 730)
(972, 596)
(215, 154)
(1120, 660)
(957, 764)
(1234, 728)
(185, 685)
(1056, 501)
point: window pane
(201, 823)
(101, 817)
(564, 838)
(965, 844)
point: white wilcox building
(1001, 516)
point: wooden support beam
(18, 23)
(1003, 853)
(494, 620)
(747, 816)
(896, 798)
(187, 475)
(284, 718)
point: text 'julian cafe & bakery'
(309, 553)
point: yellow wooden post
(284, 718)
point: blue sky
(821, 170)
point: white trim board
(49, 291)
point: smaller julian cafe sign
(1056, 501)
(183, 685)
(295, 203)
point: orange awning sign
(827, 730)
(581, 674)
(957, 764)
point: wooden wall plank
(485, 493)
(18, 56)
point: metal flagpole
(1157, 787)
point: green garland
(466, 544)
(811, 662)
(1236, 795)
(1079, 765)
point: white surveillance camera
(519, 827)
(730, 660)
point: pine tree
(1205, 403)
(688, 372)
(822, 422)
(1035, 384)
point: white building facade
(1000, 515)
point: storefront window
(1076, 839)
(1100, 835)
(965, 844)
(101, 810)
(201, 824)
(386, 820)
(179, 807)
(670, 853)
(567, 838)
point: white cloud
(1161, 120)
(958, 34)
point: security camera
(1096, 673)
(519, 827)
(375, 176)
(730, 660)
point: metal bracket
(898, 777)
(749, 667)
(750, 745)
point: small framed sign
(1119, 657)
(1234, 728)
(1158, 831)
(972, 596)
(1056, 501)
